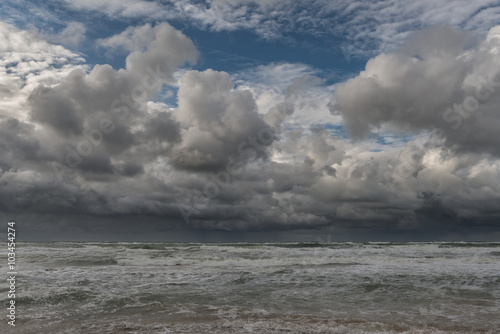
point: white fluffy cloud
(293, 84)
(161, 48)
(27, 61)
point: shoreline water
(96, 287)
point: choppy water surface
(257, 288)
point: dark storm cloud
(162, 127)
(55, 110)
(17, 142)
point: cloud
(152, 48)
(427, 85)
(122, 152)
(215, 119)
(127, 8)
(26, 61)
(133, 38)
(80, 99)
(71, 36)
(70, 114)
(294, 84)
(55, 110)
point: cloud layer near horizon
(81, 141)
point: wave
(469, 244)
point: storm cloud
(231, 155)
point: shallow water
(257, 288)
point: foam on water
(245, 288)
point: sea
(323, 287)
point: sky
(237, 120)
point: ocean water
(256, 288)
